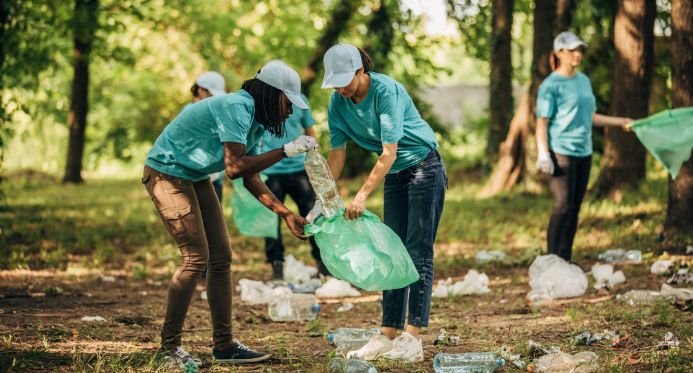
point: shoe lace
(242, 346)
(184, 355)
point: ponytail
(366, 61)
(554, 62)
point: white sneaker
(376, 346)
(407, 348)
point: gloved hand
(315, 212)
(544, 163)
(300, 145)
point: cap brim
(575, 44)
(338, 80)
(297, 100)
(215, 92)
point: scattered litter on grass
(582, 362)
(639, 297)
(335, 288)
(537, 349)
(446, 339)
(485, 256)
(107, 279)
(621, 255)
(682, 276)
(551, 277)
(296, 272)
(606, 277)
(661, 266)
(588, 338)
(345, 307)
(670, 341)
(306, 287)
(93, 319)
(473, 283)
(683, 294)
(256, 292)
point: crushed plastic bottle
(323, 183)
(350, 339)
(294, 307)
(468, 362)
(620, 255)
(582, 362)
(639, 297)
(342, 365)
(306, 287)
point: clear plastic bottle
(323, 183)
(468, 362)
(294, 307)
(349, 339)
(620, 255)
(342, 365)
(639, 297)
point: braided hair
(267, 105)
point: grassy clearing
(57, 241)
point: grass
(57, 240)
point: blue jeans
(414, 200)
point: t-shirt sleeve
(335, 123)
(593, 102)
(234, 123)
(390, 107)
(546, 102)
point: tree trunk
(85, 24)
(623, 163)
(501, 90)
(511, 161)
(564, 15)
(341, 14)
(680, 206)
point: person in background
(209, 84)
(377, 113)
(220, 133)
(566, 112)
(288, 177)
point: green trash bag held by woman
(364, 252)
(252, 218)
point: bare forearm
(542, 135)
(381, 168)
(259, 189)
(248, 165)
(601, 120)
(335, 161)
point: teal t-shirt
(386, 115)
(192, 146)
(295, 125)
(568, 103)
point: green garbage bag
(668, 135)
(252, 217)
(364, 252)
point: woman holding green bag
(215, 134)
(377, 113)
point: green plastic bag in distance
(252, 217)
(364, 252)
(668, 135)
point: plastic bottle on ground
(342, 365)
(468, 362)
(349, 339)
(639, 297)
(620, 255)
(294, 307)
(323, 183)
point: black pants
(568, 185)
(298, 187)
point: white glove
(300, 145)
(315, 212)
(544, 163)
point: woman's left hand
(356, 207)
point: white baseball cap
(341, 62)
(212, 81)
(280, 76)
(567, 40)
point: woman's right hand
(295, 224)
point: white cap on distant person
(567, 40)
(212, 81)
(341, 63)
(282, 77)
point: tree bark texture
(84, 29)
(512, 153)
(623, 162)
(680, 205)
(501, 90)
